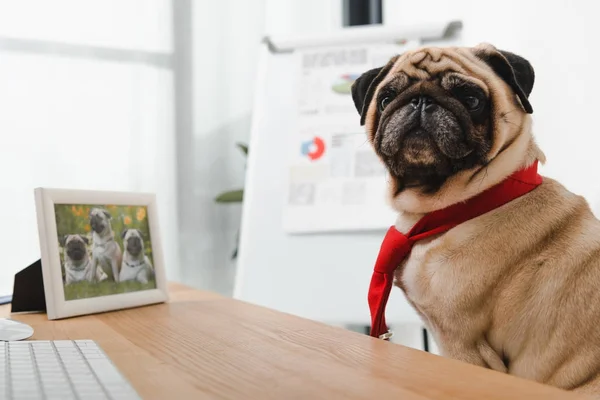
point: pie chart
(313, 149)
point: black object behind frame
(28, 290)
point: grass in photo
(83, 290)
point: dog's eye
(383, 103)
(472, 102)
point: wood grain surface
(204, 346)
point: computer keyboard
(60, 369)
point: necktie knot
(395, 247)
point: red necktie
(396, 246)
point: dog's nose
(425, 103)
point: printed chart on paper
(335, 180)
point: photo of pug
(516, 288)
(106, 252)
(104, 249)
(77, 262)
(136, 265)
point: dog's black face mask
(429, 121)
(134, 246)
(76, 248)
(97, 224)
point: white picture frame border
(56, 305)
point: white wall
(297, 17)
(226, 40)
(559, 38)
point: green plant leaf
(234, 196)
(243, 147)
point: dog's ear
(124, 233)
(140, 233)
(516, 71)
(85, 239)
(107, 214)
(364, 87)
(62, 240)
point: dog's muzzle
(134, 246)
(96, 224)
(76, 251)
(426, 118)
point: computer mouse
(11, 330)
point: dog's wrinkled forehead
(132, 233)
(493, 70)
(99, 212)
(436, 64)
(74, 238)
(427, 63)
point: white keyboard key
(63, 343)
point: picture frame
(89, 237)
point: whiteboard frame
(364, 35)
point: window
(86, 93)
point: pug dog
(136, 265)
(77, 261)
(106, 252)
(515, 289)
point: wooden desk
(201, 345)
